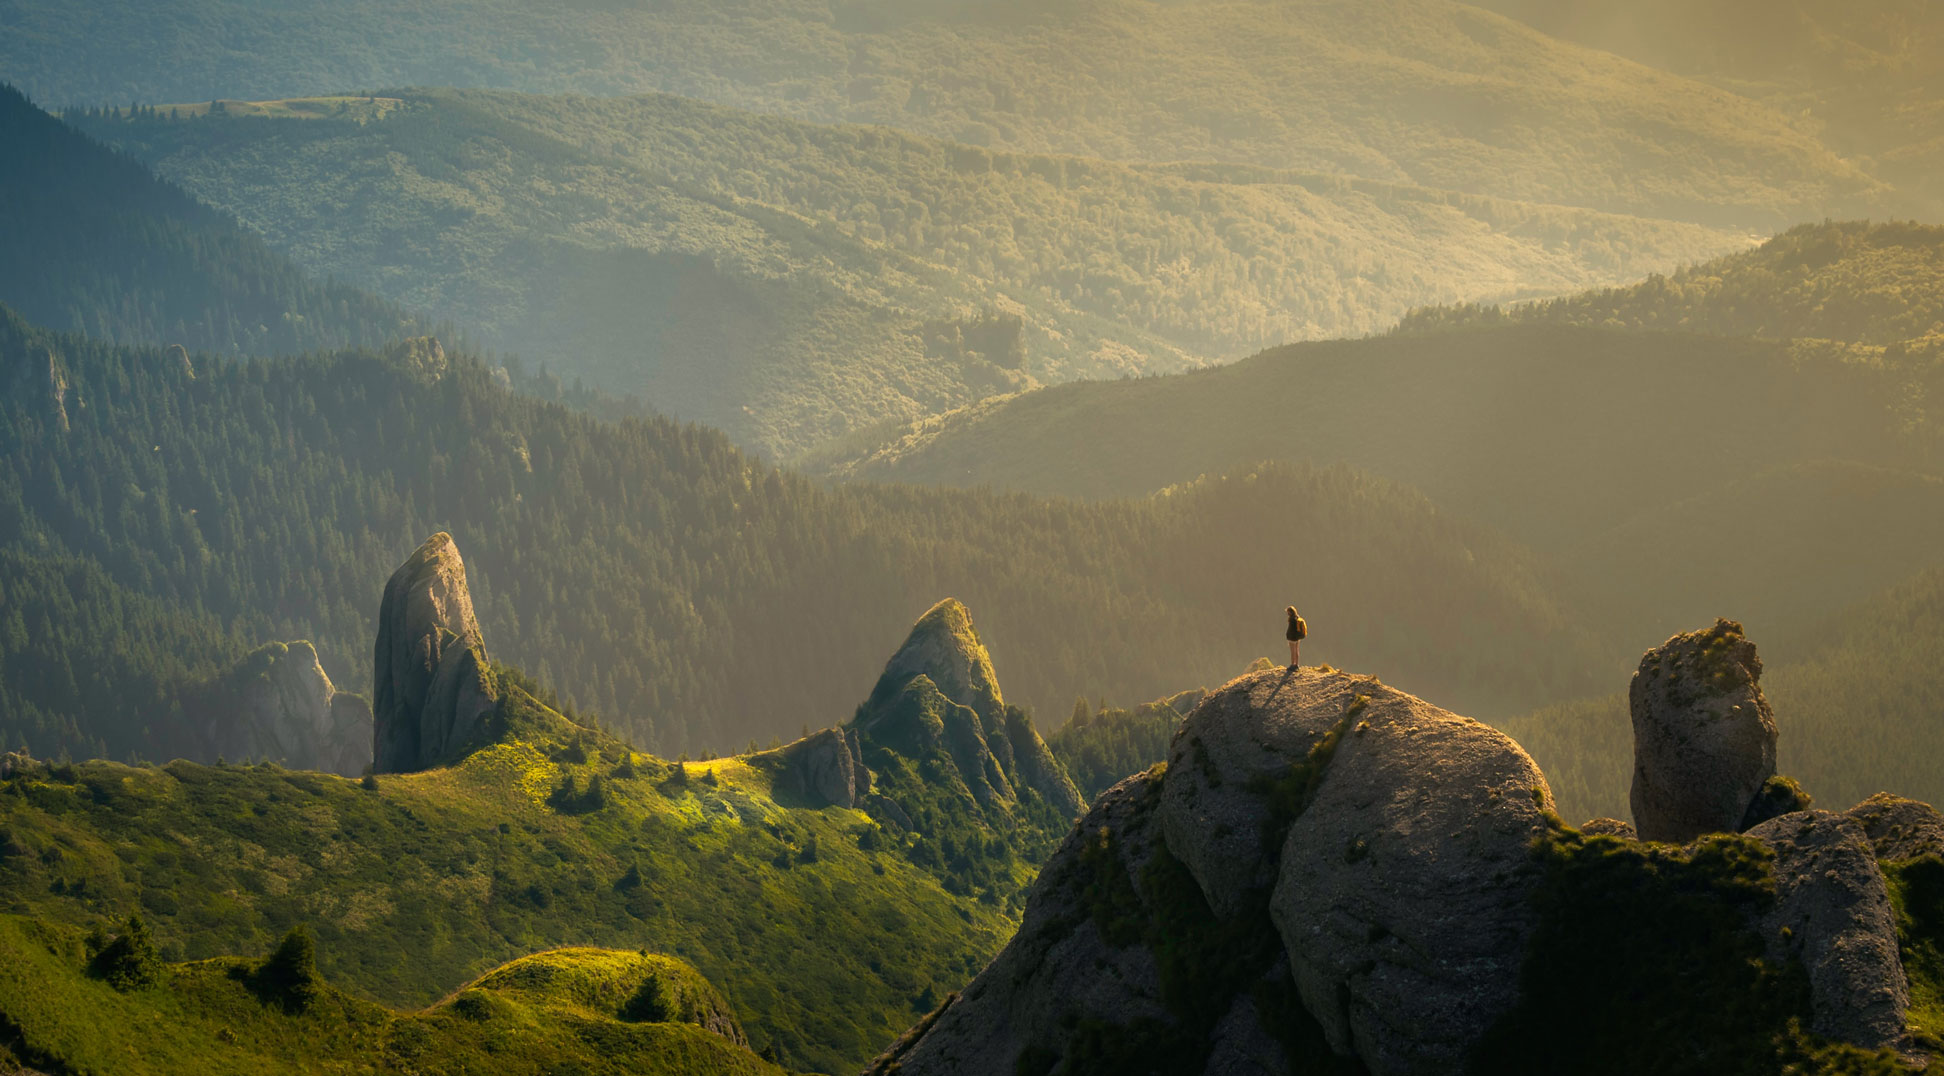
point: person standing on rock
(1298, 631)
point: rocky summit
(1704, 737)
(277, 703)
(1329, 875)
(939, 693)
(430, 670)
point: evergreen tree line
(157, 523)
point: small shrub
(288, 977)
(129, 962)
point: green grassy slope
(1422, 91)
(1859, 708)
(787, 282)
(566, 1010)
(696, 598)
(418, 885)
(1878, 287)
(96, 244)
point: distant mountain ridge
(788, 282)
(1420, 91)
(97, 244)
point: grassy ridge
(205, 1017)
(425, 881)
(787, 282)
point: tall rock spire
(429, 681)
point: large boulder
(429, 674)
(1899, 828)
(1229, 753)
(1704, 737)
(1832, 912)
(824, 769)
(1403, 897)
(1071, 964)
(276, 703)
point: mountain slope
(594, 1010)
(1614, 452)
(97, 244)
(1880, 286)
(1419, 91)
(787, 282)
(694, 597)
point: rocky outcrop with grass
(1327, 867)
(938, 693)
(1704, 737)
(277, 703)
(823, 769)
(430, 671)
(1332, 876)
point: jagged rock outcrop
(277, 703)
(12, 762)
(1899, 828)
(1704, 737)
(1403, 899)
(429, 665)
(824, 769)
(939, 692)
(1832, 912)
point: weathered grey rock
(1242, 1046)
(1832, 912)
(1900, 828)
(939, 690)
(1704, 737)
(1404, 893)
(1610, 827)
(820, 770)
(1243, 736)
(277, 704)
(179, 358)
(429, 664)
(1060, 969)
(12, 762)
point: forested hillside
(1878, 286)
(1864, 77)
(693, 597)
(1623, 454)
(787, 282)
(96, 244)
(1419, 91)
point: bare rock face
(824, 769)
(1403, 896)
(1242, 738)
(12, 762)
(1063, 968)
(1899, 828)
(1704, 737)
(277, 703)
(1832, 912)
(429, 665)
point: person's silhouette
(1298, 631)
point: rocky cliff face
(429, 665)
(1329, 875)
(1354, 859)
(1704, 737)
(277, 704)
(939, 692)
